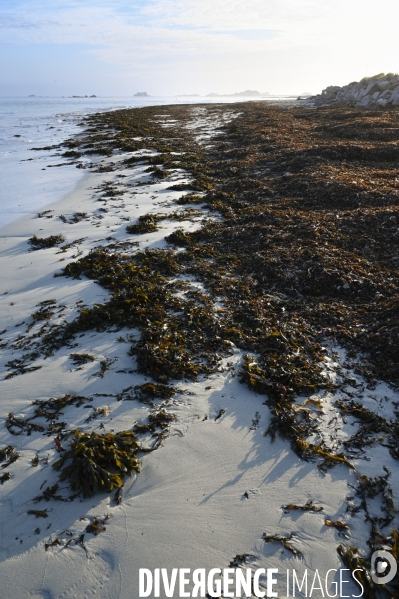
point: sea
(30, 179)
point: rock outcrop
(371, 92)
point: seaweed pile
(178, 337)
(300, 251)
(303, 252)
(304, 200)
(96, 462)
(93, 462)
(296, 253)
(39, 243)
(306, 248)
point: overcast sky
(167, 47)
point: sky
(169, 47)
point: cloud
(289, 23)
(329, 41)
(12, 21)
(119, 36)
(251, 34)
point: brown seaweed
(96, 463)
(284, 541)
(308, 507)
(39, 243)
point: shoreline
(52, 124)
(215, 483)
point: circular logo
(383, 567)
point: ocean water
(28, 179)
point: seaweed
(239, 560)
(77, 217)
(147, 392)
(157, 172)
(163, 354)
(97, 526)
(39, 513)
(73, 243)
(308, 507)
(352, 560)
(160, 419)
(373, 427)
(190, 198)
(52, 543)
(221, 413)
(337, 524)
(71, 154)
(186, 214)
(255, 422)
(16, 426)
(51, 409)
(78, 541)
(8, 455)
(21, 369)
(105, 366)
(369, 488)
(100, 411)
(147, 223)
(361, 567)
(178, 337)
(80, 359)
(39, 243)
(96, 463)
(284, 541)
(294, 251)
(45, 312)
(51, 493)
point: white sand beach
(215, 485)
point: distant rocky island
(142, 94)
(93, 96)
(247, 94)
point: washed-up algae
(303, 251)
(8, 456)
(295, 264)
(39, 243)
(98, 462)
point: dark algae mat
(298, 256)
(300, 244)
